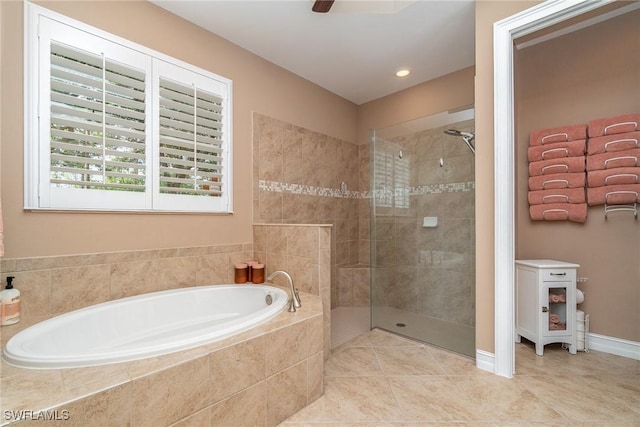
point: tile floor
(380, 379)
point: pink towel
(559, 134)
(614, 195)
(564, 165)
(619, 142)
(615, 176)
(575, 212)
(557, 298)
(562, 195)
(554, 318)
(557, 326)
(557, 181)
(556, 150)
(613, 125)
(617, 159)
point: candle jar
(258, 273)
(241, 273)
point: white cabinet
(546, 302)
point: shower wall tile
(271, 168)
(318, 164)
(345, 288)
(361, 287)
(270, 206)
(293, 172)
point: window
(112, 126)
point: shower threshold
(449, 335)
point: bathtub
(143, 326)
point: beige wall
(445, 93)
(258, 86)
(571, 80)
(487, 12)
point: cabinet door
(555, 315)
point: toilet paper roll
(580, 315)
(579, 297)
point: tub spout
(295, 298)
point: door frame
(504, 33)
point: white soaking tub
(144, 326)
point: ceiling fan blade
(322, 6)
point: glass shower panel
(423, 231)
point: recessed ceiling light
(403, 72)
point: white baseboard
(485, 361)
(612, 345)
(597, 342)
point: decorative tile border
(310, 190)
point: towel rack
(566, 136)
(553, 181)
(635, 124)
(634, 178)
(621, 208)
(633, 158)
(633, 140)
(561, 165)
(546, 152)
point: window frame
(37, 125)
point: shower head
(466, 137)
(456, 132)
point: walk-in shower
(423, 230)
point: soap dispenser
(10, 309)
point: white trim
(505, 31)
(485, 360)
(42, 26)
(613, 345)
(579, 26)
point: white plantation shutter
(111, 125)
(97, 122)
(190, 140)
(192, 129)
